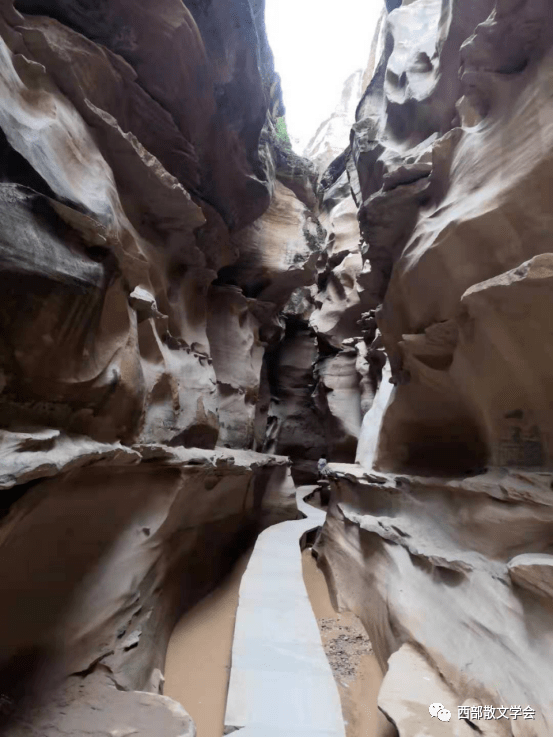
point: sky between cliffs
(317, 44)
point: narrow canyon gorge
(276, 427)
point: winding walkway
(281, 683)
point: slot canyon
(276, 426)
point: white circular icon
(444, 715)
(435, 708)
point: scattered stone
(344, 646)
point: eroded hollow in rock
(454, 448)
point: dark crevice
(9, 497)
(310, 537)
(335, 170)
(93, 666)
(14, 168)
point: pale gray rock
(410, 686)
(436, 547)
(144, 302)
(338, 306)
(38, 453)
(332, 136)
(237, 350)
(96, 708)
(278, 252)
(339, 401)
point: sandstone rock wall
(152, 228)
(123, 201)
(450, 166)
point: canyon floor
(199, 655)
(351, 657)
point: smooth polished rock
(410, 686)
(444, 566)
(93, 594)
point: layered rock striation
(440, 536)
(193, 315)
(153, 225)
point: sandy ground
(198, 657)
(350, 654)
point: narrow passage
(281, 683)
(275, 643)
(349, 651)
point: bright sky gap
(317, 44)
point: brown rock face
(466, 205)
(97, 563)
(151, 229)
(440, 537)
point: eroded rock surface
(186, 302)
(152, 226)
(109, 555)
(427, 562)
(440, 537)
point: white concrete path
(281, 683)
